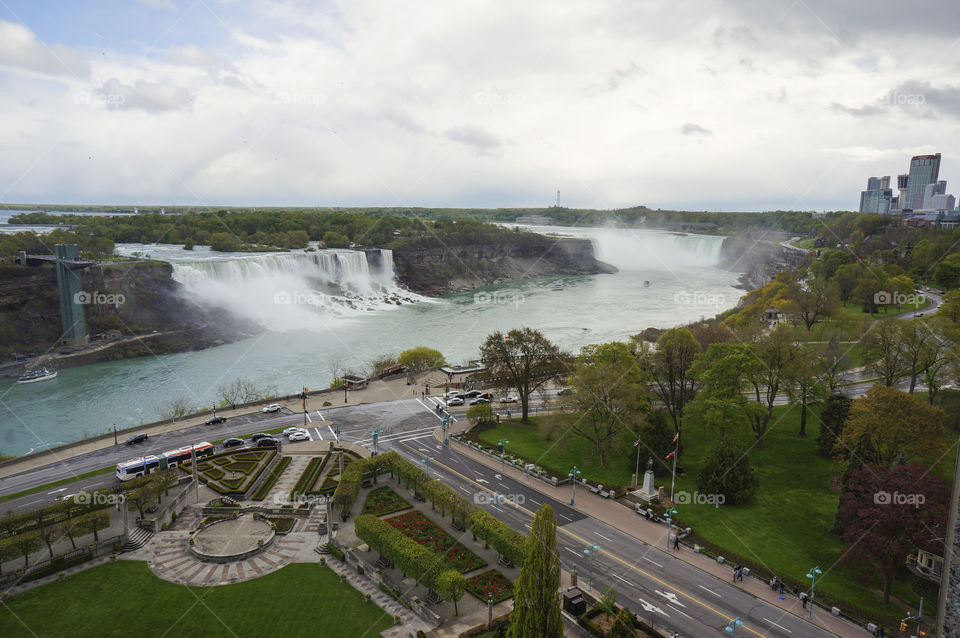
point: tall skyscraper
(877, 197)
(924, 170)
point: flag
(636, 443)
(669, 456)
(675, 437)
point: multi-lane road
(665, 590)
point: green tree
(418, 360)
(803, 383)
(727, 471)
(623, 625)
(523, 359)
(451, 585)
(669, 367)
(947, 275)
(720, 404)
(884, 347)
(813, 300)
(480, 413)
(536, 604)
(225, 242)
(776, 356)
(832, 419)
(333, 239)
(950, 309)
(609, 393)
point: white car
(451, 394)
(273, 407)
(454, 401)
(298, 436)
(292, 429)
(508, 399)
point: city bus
(135, 468)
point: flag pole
(673, 477)
(636, 477)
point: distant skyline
(691, 105)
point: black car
(260, 435)
(472, 394)
(136, 438)
(214, 420)
(478, 400)
(232, 442)
(268, 442)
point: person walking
(796, 592)
(676, 541)
(803, 599)
(781, 588)
(740, 574)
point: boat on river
(40, 374)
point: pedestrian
(883, 631)
(803, 599)
(796, 592)
(781, 587)
(676, 541)
(735, 570)
(740, 574)
(773, 582)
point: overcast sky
(691, 104)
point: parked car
(508, 399)
(454, 401)
(260, 435)
(450, 394)
(291, 430)
(232, 442)
(136, 438)
(298, 436)
(214, 420)
(488, 396)
(273, 407)
(918, 314)
(471, 394)
(268, 442)
(476, 400)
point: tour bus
(138, 467)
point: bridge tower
(72, 297)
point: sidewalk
(654, 534)
(377, 391)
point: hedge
(307, 477)
(508, 542)
(335, 551)
(58, 565)
(271, 479)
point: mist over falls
(647, 251)
(295, 291)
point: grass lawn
(558, 457)
(852, 353)
(125, 599)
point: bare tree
(239, 391)
(174, 409)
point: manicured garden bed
(383, 500)
(231, 472)
(424, 531)
(490, 581)
(270, 480)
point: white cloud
(21, 50)
(153, 97)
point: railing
(156, 523)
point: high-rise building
(877, 198)
(924, 170)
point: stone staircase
(137, 539)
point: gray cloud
(20, 49)
(476, 137)
(694, 129)
(915, 98)
(153, 97)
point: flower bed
(424, 531)
(284, 523)
(231, 472)
(490, 581)
(328, 487)
(384, 500)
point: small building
(926, 564)
(772, 316)
(355, 383)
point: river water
(327, 311)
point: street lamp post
(669, 516)
(573, 481)
(503, 454)
(426, 461)
(590, 551)
(732, 627)
(812, 575)
(304, 395)
(375, 435)
(345, 385)
(341, 450)
(445, 425)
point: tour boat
(41, 374)
(557, 286)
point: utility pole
(344, 391)
(196, 480)
(304, 396)
(115, 434)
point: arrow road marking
(672, 597)
(649, 607)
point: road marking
(567, 517)
(652, 577)
(463, 489)
(651, 607)
(502, 485)
(603, 537)
(332, 432)
(527, 525)
(483, 481)
(776, 625)
(320, 415)
(624, 580)
(317, 432)
(533, 500)
(307, 414)
(710, 590)
(55, 491)
(651, 561)
(572, 551)
(670, 596)
(680, 612)
(414, 438)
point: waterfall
(294, 291)
(648, 250)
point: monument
(647, 493)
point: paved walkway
(654, 534)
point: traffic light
(903, 626)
